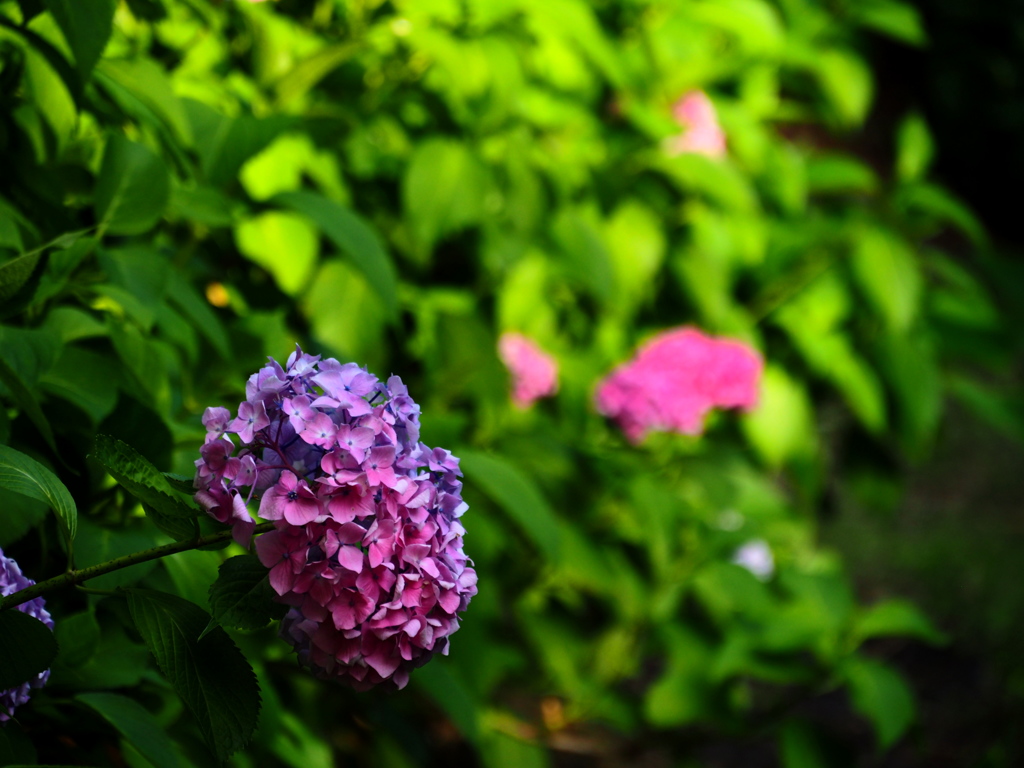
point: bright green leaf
(285, 244)
(914, 148)
(349, 232)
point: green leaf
(211, 675)
(349, 232)
(86, 25)
(781, 428)
(914, 148)
(846, 81)
(896, 618)
(285, 244)
(880, 694)
(132, 190)
(178, 528)
(27, 647)
(895, 18)
(78, 636)
(800, 747)
(16, 273)
(27, 476)
(140, 478)
(196, 309)
(137, 725)
(145, 81)
(834, 173)
(180, 483)
(517, 495)
(241, 597)
(888, 274)
(443, 191)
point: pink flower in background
(534, 372)
(701, 133)
(675, 379)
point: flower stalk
(72, 577)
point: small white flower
(756, 557)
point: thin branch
(72, 578)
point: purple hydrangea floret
(367, 546)
(12, 580)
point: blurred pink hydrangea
(701, 133)
(675, 379)
(534, 372)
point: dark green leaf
(146, 82)
(180, 483)
(133, 188)
(178, 528)
(86, 25)
(78, 636)
(241, 597)
(211, 675)
(517, 495)
(196, 309)
(349, 232)
(27, 401)
(16, 273)
(26, 646)
(27, 476)
(140, 478)
(137, 725)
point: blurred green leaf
(888, 274)
(517, 494)
(914, 148)
(349, 232)
(895, 618)
(132, 190)
(781, 427)
(846, 82)
(443, 191)
(895, 18)
(285, 244)
(880, 694)
(86, 25)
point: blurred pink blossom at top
(534, 372)
(701, 133)
(676, 379)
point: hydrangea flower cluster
(675, 379)
(12, 580)
(367, 548)
(701, 134)
(534, 372)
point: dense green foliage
(397, 184)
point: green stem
(72, 577)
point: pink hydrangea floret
(534, 372)
(676, 379)
(367, 546)
(701, 134)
